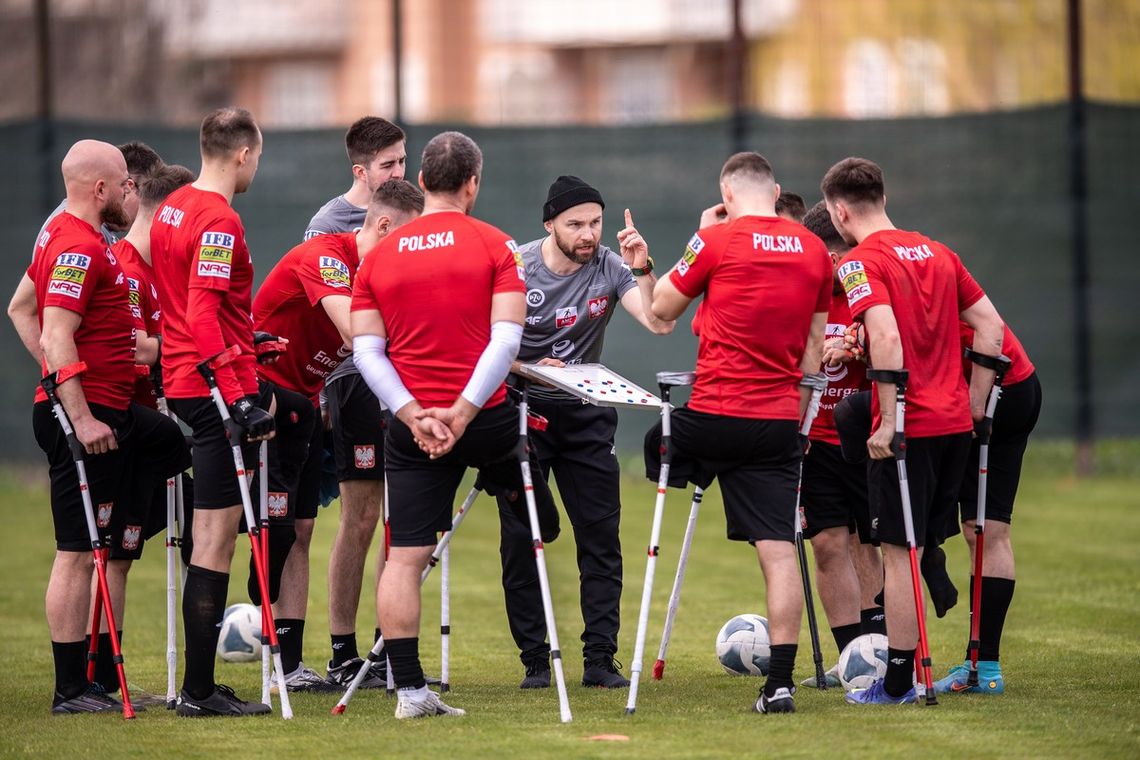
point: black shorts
(358, 429)
(934, 468)
(757, 463)
(421, 491)
(1014, 419)
(294, 455)
(853, 423)
(833, 493)
(127, 485)
(215, 479)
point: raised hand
(634, 249)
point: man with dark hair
(837, 520)
(88, 339)
(791, 207)
(908, 291)
(451, 292)
(573, 287)
(318, 272)
(205, 281)
(767, 283)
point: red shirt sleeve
(969, 291)
(823, 302)
(510, 273)
(202, 306)
(863, 282)
(324, 272)
(363, 299)
(691, 274)
(213, 256)
(74, 276)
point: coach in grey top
(574, 286)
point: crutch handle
(675, 378)
(206, 367)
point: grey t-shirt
(566, 315)
(338, 215)
(108, 234)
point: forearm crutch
(442, 557)
(666, 381)
(818, 384)
(263, 537)
(50, 385)
(922, 662)
(173, 544)
(678, 579)
(253, 528)
(1000, 365)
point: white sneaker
(422, 703)
(306, 679)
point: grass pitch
(1070, 653)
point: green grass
(1071, 651)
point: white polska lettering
(777, 243)
(426, 242)
(914, 253)
(172, 216)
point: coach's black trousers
(578, 447)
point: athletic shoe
(91, 699)
(537, 675)
(831, 677)
(343, 674)
(876, 694)
(779, 702)
(989, 679)
(602, 672)
(432, 680)
(423, 703)
(222, 702)
(306, 679)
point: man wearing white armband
(437, 314)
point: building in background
(309, 63)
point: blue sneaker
(956, 681)
(875, 694)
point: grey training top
(566, 315)
(110, 236)
(338, 215)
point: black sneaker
(779, 702)
(602, 673)
(92, 699)
(344, 673)
(222, 702)
(537, 675)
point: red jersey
(144, 307)
(763, 279)
(75, 270)
(926, 286)
(205, 282)
(1020, 368)
(842, 380)
(288, 304)
(432, 281)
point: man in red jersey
(437, 315)
(306, 298)
(837, 519)
(87, 336)
(766, 283)
(909, 291)
(205, 281)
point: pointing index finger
(628, 218)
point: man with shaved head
(88, 338)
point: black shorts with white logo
(127, 485)
(294, 454)
(833, 493)
(215, 479)
(934, 468)
(756, 462)
(358, 429)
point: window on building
(299, 93)
(868, 80)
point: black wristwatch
(642, 271)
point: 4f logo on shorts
(278, 504)
(566, 316)
(103, 518)
(131, 536)
(365, 457)
(597, 306)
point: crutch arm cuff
(817, 381)
(893, 376)
(53, 380)
(987, 361)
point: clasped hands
(437, 429)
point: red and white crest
(365, 457)
(131, 536)
(598, 306)
(103, 514)
(278, 504)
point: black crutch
(818, 384)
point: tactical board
(593, 384)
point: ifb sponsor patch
(334, 272)
(689, 257)
(520, 266)
(69, 274)
(216, 255)
(364, 456)
(103, 514)
(277, 504)
(597, 307)
(854, 279)
(566, 316)
(134, 297)
(132, 534)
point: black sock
(203, 605)
(845, 634)
(291, 637)
(997, 593)
(900, 671)
(70, 667)
(879, 599)
(106, 675)
(780, 668)
(873, 620)
(943, 594)
(344, 648)
(404, 657)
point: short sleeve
(363, 297)
(862, 281)
(823, 299)
(324, 272)
(213, 254)
(618, 274)
(969, 291)
(74, 277)
(691, 274)
(509, 269)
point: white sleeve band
(495, 362)
(378, 371)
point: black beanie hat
(567, 192)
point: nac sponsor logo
(565, 316)
(426, 242)
(215, 255)
(776, 243)
(334, 272)
(854, 280)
